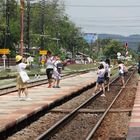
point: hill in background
(132, 40)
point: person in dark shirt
(49, 67)
(139, 66)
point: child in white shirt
(121, 74)
(100, 79)
(22, 86)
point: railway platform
(134, 125)
(13, 111)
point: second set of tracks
(33, 82)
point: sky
(105, 16)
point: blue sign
(90, 37)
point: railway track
(9, 130)
(87, 109)
(34, 82)
(67, 121)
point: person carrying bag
(22, 78)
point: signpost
(118, 55)
(4, 57)
(43, 57)
(4, 51)
(43, 52)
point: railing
(8, 62)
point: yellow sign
(4, 51)
(43, 52)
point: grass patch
(77, 67)
(42, 71)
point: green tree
(9, 26)
(138, 50)
(112, 48)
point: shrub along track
(83, 122)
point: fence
(8, 62)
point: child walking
(138, 65)
(57, 72)
(22, 86)
(107, 73)
(100, 79)
(121, 72)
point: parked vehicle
(68, 62)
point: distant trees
(111, 49)
(50, 24)
(9, 25)
(138, 50)
(59, 31)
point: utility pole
(7, 30)
(28, 26)
(42, 23)
(57, 38)
(21, 26)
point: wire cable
(104, 6)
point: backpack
(139, 67)
(59, 67)
(125, 69)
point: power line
(97, 25)
(113, 17)
(105, 19)
(104, 6)
(100, 20)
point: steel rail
(33, 83)
(52, 130)
(107, 110)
